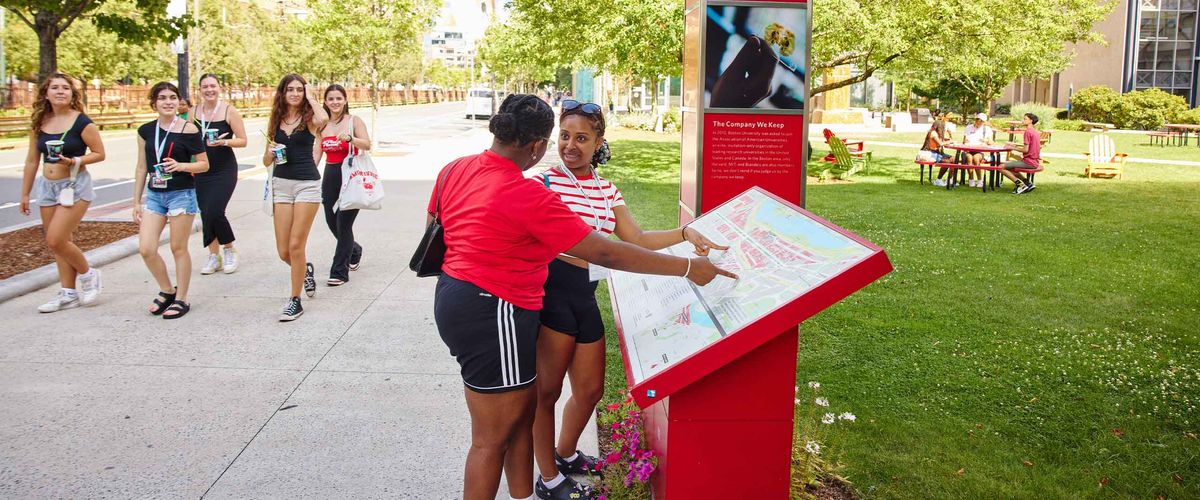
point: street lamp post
(178, 8)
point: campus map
(778, 253)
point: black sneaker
(1023, 188)
(583, 464)
(291, 310)
(310, 283)
(566, 490)
(1031, 187)
(356, 258)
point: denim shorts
(171, 203)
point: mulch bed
(25, 249)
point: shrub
(1073, 125)
(1142, 109)
(1044, 113)
(1004, 109)
(638, 121)
(671, 120)
(1191, 116)
(1150, 109)
(1094, 104)
(628, 465)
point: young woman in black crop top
(296, 119)
(171, 154)
(222, 129)
(60, 124)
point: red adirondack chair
(855, 147)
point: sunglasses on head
(589, 108)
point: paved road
(401, 130)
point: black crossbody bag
(431, 252)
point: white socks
(530, 497)
(572, 457)
(70, 293)
(91, 272)
(553, 483)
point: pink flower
(612, 458)
(614, 407)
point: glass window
(1169, 5)
(1187, 25)
(1183, 80)
(1166, 25)
(1149, 4)
(1162, 79)
(1149, 26)
(1183, 56)
(1181, 93)
(1145, 78)
(1145, 55)
(1187, 4)
(1164, 56)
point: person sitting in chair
(978, 133)
(1031, 155)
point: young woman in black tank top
(295, 121)
(58, 116)
(222, 129)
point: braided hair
(522, 119)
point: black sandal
(178, 306)
(167, 300)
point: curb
(36, 279)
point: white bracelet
(689, 269)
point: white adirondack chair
(1103, 158)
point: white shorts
(292, 191)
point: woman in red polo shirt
(501, 231)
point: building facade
(1151, 44)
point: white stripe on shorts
(501, 326)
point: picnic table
(991, 153)
(1098, 127)
(1185, 129)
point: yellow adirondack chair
(1103, 158)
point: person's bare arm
(632, 258)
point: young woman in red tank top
(342, 131)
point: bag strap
(437, 207)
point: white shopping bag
(268, 198)
(361, 187)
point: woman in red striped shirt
(571, 338)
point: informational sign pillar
(745, 101)
(714, 367)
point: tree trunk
(374, 96)
(47, 32)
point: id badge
(597, 273)
(157, 182)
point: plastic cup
(280, 152)
(210, 137)
(54, 149)
(160, 171)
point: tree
(49, 19)
(982, 45)
(242, 42)
(372, 37)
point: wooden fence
(126, 105)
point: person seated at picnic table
(935, 139)
(1031, 155)
(978, 133)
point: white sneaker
(939, 183)
(89, 287)
(231, 260)
(971, 183)
(59, 302)
(212, 265)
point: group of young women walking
(186, 166)
(516, 301)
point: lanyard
(607, 204)
(158, 146)
(204, 123)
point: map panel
(778, 253)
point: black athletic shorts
(570, 303)
(493, 340)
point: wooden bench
(956, 168)
(1097, 127)
(1163, 137)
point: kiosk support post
(729, 434)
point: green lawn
(1042, 344)
(1136, 145)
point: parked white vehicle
(479, 102)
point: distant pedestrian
(501, 230)
(222, 129)
(295, 121)
(341, 133)
(64, 141)
(172, 152)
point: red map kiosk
(714, 367)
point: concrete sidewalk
(358, 398)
